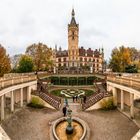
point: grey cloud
(102, 22)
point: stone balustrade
(129, 81)
(10, 81)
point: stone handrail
(126, 81)
(94, 98)
(49, 98)
(7, 82)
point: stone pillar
(54, 70)
(21, 97)
(115, 96)
(132, 105)
(122, 100)
(28, 94)
(91, 69)
(12, 101)
(2, 107)
(108, 87)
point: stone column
(2, 107)
(115, 96)
(132, 105)
(28, 94)
(21, 97)
(12, 101)
(54, 70)
(108, 87)
(91, 69)
(122, 100)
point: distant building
(75, 59)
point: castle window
(59, 60)
(73, 35)
(59, 64)
(64, 59)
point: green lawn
(58, 92)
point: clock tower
(73, 39)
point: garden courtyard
(34, 124)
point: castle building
(77, 59)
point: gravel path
(34, 124)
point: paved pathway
(34, 124)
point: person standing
(85, 98)
(64, 110)
(73, 98)
(76, 97)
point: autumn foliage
(5, 66)
(122, 58)
(41, 55)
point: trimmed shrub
(36, 103)
(107, 104)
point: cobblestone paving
(34, 124)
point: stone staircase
(56, 103)
(42, 92)
(93, 99)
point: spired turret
(73, 40)
(73, 21)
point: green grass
(89, 92)
(36, 103)
(58, 92)
(107, 104)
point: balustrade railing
(50, 99)
(133, 82)
(92, 100)
(46, 96)
(10, 81)
(100, 93)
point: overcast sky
(107, 23)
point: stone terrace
(31, 124)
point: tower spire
(73, 21)
(73, 13)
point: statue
(69, 129)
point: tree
(25, 64)
(5, 66)
(135, 54)
(41, 55)
(131, 69)
(120, 58)
(15, 62)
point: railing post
(131, 82)
(21, 79)
(29, 78)
(12, 81)
(2, 84)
